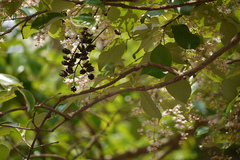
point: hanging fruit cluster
(79, 58)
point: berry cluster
(79, 58)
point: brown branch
(12, 110)
(24, 20)
(53, 110)
(189, 3)
(158, 8)
(14, 146)
(43, 145)
(120, 76)
(182, 76)
(48, 155)
(230, 61)
(3, 125)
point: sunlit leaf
(149, 106)
(57, 30)
(4, 152)
(113, 14)
(9, 80)
(184, 37)
(6, 95)
(27, 30)
(180, 90)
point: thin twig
(24, 20)
(14, 146)
(12, 110)
(43, 145)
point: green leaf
(159, 55)
(229, 87)
(184, 37)
(4, 152)
(11, 7)
(108, 69)
(155, 13)
(228, 30)
(153, 71)
(186, 10)
(6, 95)
(5, 131)
(113, 14)
(201, 131)
(38, 119)
(180, 90)
(28, 11)
(26, 30)
(42, 20)
(149, 106)
(60, 5)
(57, 30)
(83, 20)
(113, 54)
(176, 52)
(8, 80)
(95, 3)
(29, 99)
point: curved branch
(189, 3)
(182, 76)
(24, 20)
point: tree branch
(12, 110)
(24, 20)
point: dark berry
(69, 70)
(90, 68)
(65, 62)
(91, 76)
(84, 57)
(63, 73)
(66, 57)
(89, 41)
(117, 32)
(85, 28)
(83, 71)
(90, 48)
(77, 55)
(66, 51)
(84, 53)
(73, 88)
(87, 64)
(73, 60)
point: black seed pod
(77, 55)
(89, 41)
(63, 73)
(117, 32)
(91, 76)
(66, 57)
(69, 70)
(87, 64)
(90, 68)
(90, 48)
(73, 60)
(73, 88)
(84, 57)
(65, 62)
(66, 51)
(83, 71)
(84, 53)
